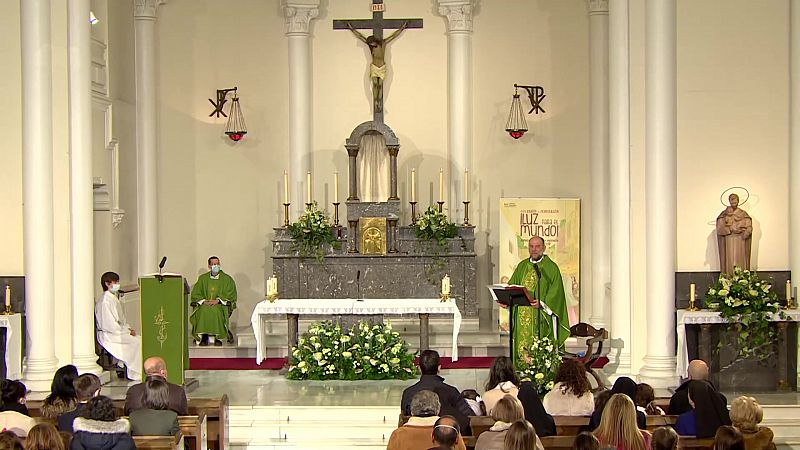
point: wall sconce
(235, 128)
(516, 126)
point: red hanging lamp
(516, 126)
(235, 128)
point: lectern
(165, 323)
(511, 297)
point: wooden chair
(159, 442)
(216, 411)
(570, 425)
(593, 355)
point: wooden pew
(195, 431)
(570, 425)
(654, 422)
(159, 442)
(558, 442)
(694, 443)
(479, 424)
(35, 407)
(216, 411)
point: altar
(324, 308)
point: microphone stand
(539, 299)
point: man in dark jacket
(449, 397)
(679, 403)
(87, 386)
(156, 367)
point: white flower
(723, 292)
(374, 362)
(344, 339)
(347, 354)
(317, 356)
(322, 363)
(539, 375)
(301, 364)
(394, 361)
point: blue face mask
(215, 269)
(114, 288)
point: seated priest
(213, 299)
(113, 332)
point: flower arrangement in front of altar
(434, 225)
(326, 352)
(311, 232)
(747, 302)
(539, 364)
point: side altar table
(705, 319)
(293, 308)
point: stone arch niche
(356, 209)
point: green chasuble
(551, 292)
(212, 319)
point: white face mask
(114, 288)
(215, 269)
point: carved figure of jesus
(377, 69)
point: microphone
(160, 268)
(535, 267)
(358, 286)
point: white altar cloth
(348, 306)
(704, 316)
(13, 326)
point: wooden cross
(376, 45)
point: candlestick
(413, 213)
(692, 295)
(335, 187)
(286, 214)
(336, 213)
(308, 188)
(441, 185)
(466, 214)
(285, 187)
(466, 185)
(441, 205)
(413, 186)
(789, 296)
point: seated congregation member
(618, 428)
(416, 433)
(98, 428)
(14, 392)
(571, 395)
(155, 367)
(503, 379)
(452, 403)
(10, 441)
(507, 411)
(62, 396)
(113, 331)
(87, 386)
(646, 400)
(155, 419)
(585, 440)
(728, 438)
(520, 436)
(445, 433)
(708, 413)
(474, 401)
(746, 414)
(44, 436)
(623, 385)
(665, 438)
(679, 403)
(534, 410)
(213, 299)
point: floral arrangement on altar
(311, 232)
(540, 363)
(326, 352)
(435, 226)
(747, 302)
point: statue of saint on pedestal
(734, 237)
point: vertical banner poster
(558, 221)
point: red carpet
(470, 362)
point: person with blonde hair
(746, 414)
(44, 436)
(618, 427)
(520, 436)
(507, 411)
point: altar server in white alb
(113, 331)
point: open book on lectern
(507, 295)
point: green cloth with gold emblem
(164, 325)
(212, 319)
(550, 290)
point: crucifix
(377, 46)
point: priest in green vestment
(545, 286)
(214, 299)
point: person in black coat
(534, 410)
(453, 404)
(623, 385)
(155, 367)
(98, 428)
(87, 386)
(679, 403)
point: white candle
(691, 291)
(308, 187)
(8, 295)
(446, 285)
(413, 185)
(335, 187)
(441, 185)
(788, 290)
(285, 187)
(466, 185)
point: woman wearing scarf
(623, 385)
(707, 415)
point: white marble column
(598, 142)
(794, 141)
(37, 191)
(660, 186)
(619, 183)
(144, 27)
(298, 14)
(458, 14)
(81, 195)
